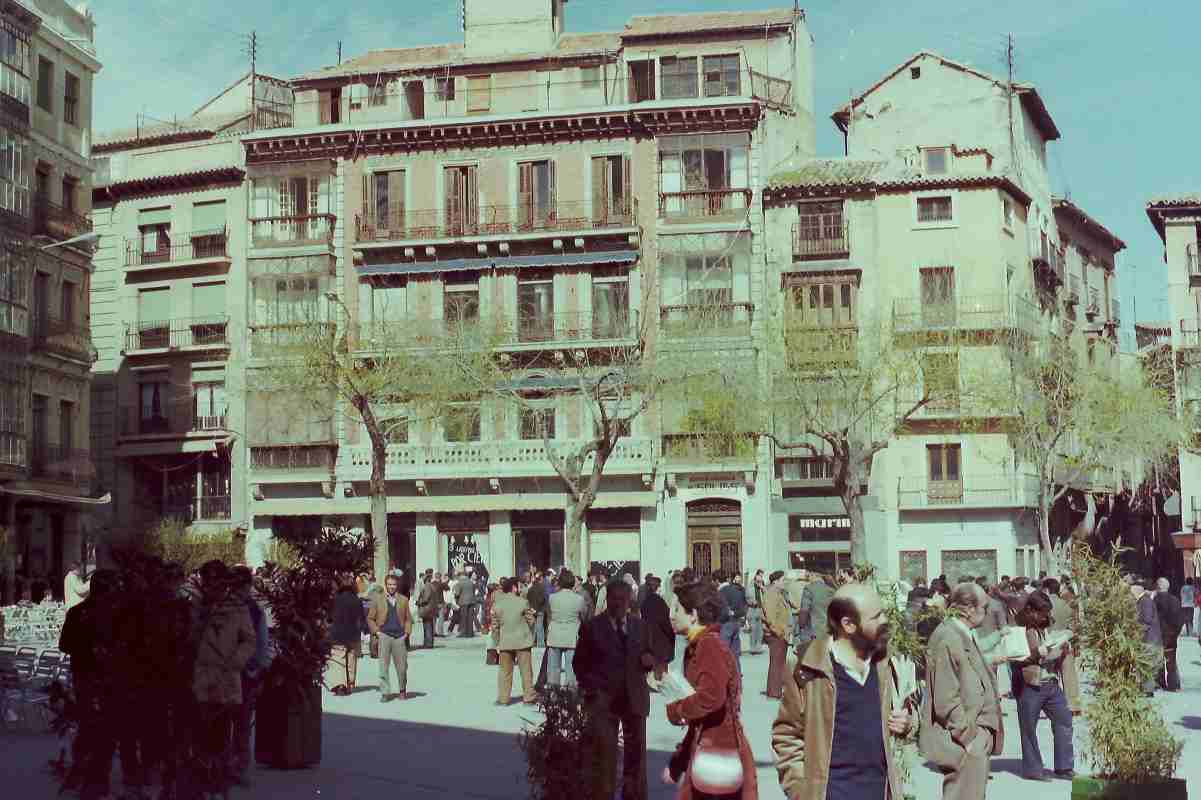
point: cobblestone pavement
(449, 740)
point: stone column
(258, 541)
(500, 545)
(427, 543)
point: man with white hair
(1168, 609)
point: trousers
(1032, 702)
(392, 652)
(731, 634)
(970, 781)
(755, 617)
(605, 718)
(504, 678)
(777, 667)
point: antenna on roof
(339, 51)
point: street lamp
(88, 238)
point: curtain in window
(610, 309)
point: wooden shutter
(454, 196)
(550, 169)
(525, 194)
(396, 199)
(471, 200)
(626, 205)
(600, 193)
(370, 223)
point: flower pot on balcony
(288, 727)
(1089, 788)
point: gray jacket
(566, 610)
(1148, 617)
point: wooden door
(715, 536)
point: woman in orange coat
(715, 759)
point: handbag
(492, 658)
(718, 770)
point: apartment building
(940, 226)
(1177, 220)
(47, 480)
(594, 190)
(169, 310)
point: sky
(1121, 78)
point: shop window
(966, 565)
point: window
(461, 423)
(705, 275)
(388, 302)
(71, 99)
(590, 77)
(154, 231)
(703, 175)
(1007, 213)
(462, 200)
(461, 303)
(208, 300)
(536, 195)
(14, 62)
(536, 308)
(396, 428)
(14, 172)
(45, 84)
(805, 469)
(66, 425)
(152, 407)
(823, 302)
(534, 421)
(68, 302)
(678, 76)
(287, 301)
(934, 209)
(479, 94)
(414, 93)
(915, 72)
(70, 193)
(379, 93)
(960, 564)
(611, 191)
(642, 81)
(938, 295)
(820, 229)
(721, 76)
(292, 208)
(39, 437)
(940, 373)
(943, 471)
(209, 406)
(329, 103)
(611, 306)
(444, 88)
(208, 217)
(936, 160)
(384, 199)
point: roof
(204, 126)
(686, 24)
(416, 59)
(258, 77)
(1077, 214)
(161, 184)
(1031, 100)
(845, 173)
(1167, 205)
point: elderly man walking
(1168, 609)
(391, 620)
(962, 726)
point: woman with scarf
(715, 759)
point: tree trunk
(851, 501)
(379, 507)
(573, 550)
(1044, 529)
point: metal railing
(489, 220)
(1192, 259)
(204, 507)
(176, 418)
(14, 110)
(174, 334)
(819, 235)
(705, 203)
(559, 328)
(973, 312)
(775, 92)
(292, 229)
(270, 340)
(717, 319)
(984, 490)
(1049, 260)
(62, 337)
(58, 463)
(291, 457)
(58, 221)
(195, 246)
(1190, 333)
(14, 451)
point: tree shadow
(1190, 722)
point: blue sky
(1121, 78)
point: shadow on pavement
(1192, 723)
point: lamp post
(88, 238)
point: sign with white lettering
(819, 528)
(720, 481)
(462, 552)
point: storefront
(712, 522)
(463, 541)
(615, 541)
(819, 542)
(537, 540)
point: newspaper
(675, 687)
(1056, 639)
(1013, 645)
(905, 686)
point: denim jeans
(427, 632)
(755, 617)
(540, 629)
(559, 658)
(731, 634)
(1031, 702)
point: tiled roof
(683, 24)
(201, 126)
(1062, 204)
(169, 183)
(834, 173)
(1169, 201)
(455, 55)
(829, 172)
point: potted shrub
(1131, 752)
(300, 596)
(557, 764)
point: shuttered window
(208, 217)
(208, 299)
(611, 191)
(479, 94)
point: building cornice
(775, 196)
(168, 184)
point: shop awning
(172, 447)
(61, 499)
(541, 501)
(500, 262)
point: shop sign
(718, 482)
(819, 528)
(463, 551)
(616, 569)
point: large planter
(288, 727)
(1087, 788)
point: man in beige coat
(776, 634)
(962, 727)
(513, 637)
(390, 619)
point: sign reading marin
(819, 528)
(462, 551)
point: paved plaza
(449, 740)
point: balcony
(1192, 263)
(57, 221)
(708, 321)
(285, 458)
(65, 338)
(292, 230)
(703, 205)
(13, 111)
(809, 345)
(14, 451)
(819, 236)
(1190, 334)
(995, 490)
(268, 341)
(186, 333)
(990, 312)
(497, 459)
(198, 509)
(169, 422)
(1048, 265)
(56, 463)
(196, 247)
(498, 221)
(726, 449)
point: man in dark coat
(656, 618)
(1148, 618)
(1167, 607)
(611, 660)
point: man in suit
(429, 603)
(611, 660)
(390, 619)
(731, 629)
(962, 726)
(566, 611)
(1148, 618)
(661, 636)
(1167, 607)
(465, 600)
(513, 637)
(537, 595)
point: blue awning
(500, 262)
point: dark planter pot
(287, 727)
(1099, 789)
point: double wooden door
(715, 537)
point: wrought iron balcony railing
(293, 229)
(194, 246)
(57, 463)
(820, 236)
(173, 417)
(490, 220)
(973, 312)
(988, 490)
(704, 203)
(62, 337)
(204, 507)
(58, 221)
(176, 334)
(564, 328)
(708, 320)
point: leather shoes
(1042, 776)
(1066, 774)
(383, 698)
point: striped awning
(500, 262)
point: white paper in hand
(1057, 638)
(1013, 644)
(675, 687)
(906, 683)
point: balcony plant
(1132, 753)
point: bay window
(704, 175)
(611, 306)
(14, 173)
(705, 280)
(295, 208)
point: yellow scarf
(695, 631)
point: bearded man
(829, 737)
